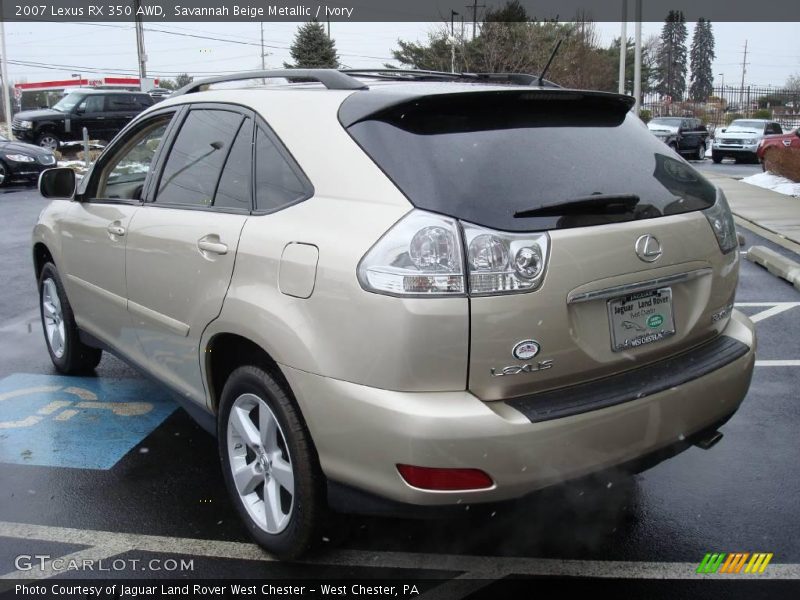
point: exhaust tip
(708, 441)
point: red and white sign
(60, 84)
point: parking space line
(476, 567)
(776, 308)
(778, 363)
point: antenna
(549, 60)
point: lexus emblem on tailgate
(648, 248)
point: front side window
(196, 159)
(68, 102)
(91, 104)
(124, 175)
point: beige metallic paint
(361, 433)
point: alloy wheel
(53, 318)
(260, 463)
(48, 141)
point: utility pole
(637, 58)
(623, 46)
(453, 15)
(263, 64)
(140, 44)
(475, 6)
(744, 70)
(4, 67)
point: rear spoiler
(361, 107)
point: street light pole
(4, 67)
(623, 46)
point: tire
(49, 140)
(290, 527)
(701, 152)
(68, 353)
(4, 174)
(716, 158)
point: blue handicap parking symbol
(81, 422)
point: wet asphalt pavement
(158, 475)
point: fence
(732, 102)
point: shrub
(762, 114)
(784, 162)
(645, 115)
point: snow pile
(773, 182)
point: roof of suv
(371, 91)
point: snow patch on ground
(773, 182)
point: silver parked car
(398, 291)
(741, 138)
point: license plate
(640, 319)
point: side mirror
(722, 130)
(58, 183)
(80, 110)
(797, 132)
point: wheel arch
(41, 256)
(225, 352)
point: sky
(172, 48)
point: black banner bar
(385, 10)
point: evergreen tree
(312, 49)
(672, 56)
(182, 80)
(700, 57)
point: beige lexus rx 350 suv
(397, 292)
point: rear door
(182, 243)
(630, 269)
(120, 109)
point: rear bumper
(361, 433)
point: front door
(182, 245)
(89, 113)
(94, 233)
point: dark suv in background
(103, 112)
(685, 135)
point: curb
(775, 263)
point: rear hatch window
(522, 160)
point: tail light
(721, 220)
(502, 263)
(420, 256)
(423, 255)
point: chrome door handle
(115, 228)
(214, 247)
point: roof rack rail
(330, 78)
(404, 74)
(420, 74)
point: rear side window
(483, 157)
(195, 160)
(278, 182)
(235, 185)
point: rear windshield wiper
(606, 204)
